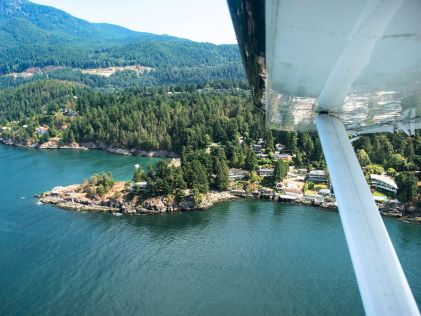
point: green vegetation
(281, 170)
(407, 187)
(98, 184)
(203, 126)
(38, 36)
(164, 180)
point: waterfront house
(266, 172)
(238, 192)
(325, 192)
(383, 182)
(42, 130)
(297, 193)
(266, 193)
(317, 176)
(141, 185)
(237, 174)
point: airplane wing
(341, 67)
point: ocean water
(238, 258)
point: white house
(324, 192)
(286, 157)
(383, 182)
(142, 185)
(279, 147)
(317, 176)
(266, 172)
(237, 174)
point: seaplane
(341, 68)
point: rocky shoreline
(54, 144)
(404, 212)
(73, 198)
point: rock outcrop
(116, 201)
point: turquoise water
(239, 258)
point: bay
(238, 258)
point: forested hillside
(38, 36)
(173, 117)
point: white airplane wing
(341, 67)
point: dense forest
(38, 36)
(177, 117)
(223, 76)
(174, 54)
(212, 129)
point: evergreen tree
(220, 168)
(281, 170)
(363, 158)
(139, 174)
(251, 160)
(407, 187)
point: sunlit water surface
(238, 258)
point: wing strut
(383, 285)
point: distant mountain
(33, 35)
(26, 23)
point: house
(279, 147)
(238, 192)
(266, 193)
(379, 199)
(68, 112)
(266, 172)
(42, 130)
(317, 176)
(261, 142)
(301, 172)
(291, 187)
(286, 157)
(293, 192)
(237, 174)
(257, 148)
(142, 185)
(72, 114)
(262, 156)
(383, 182)
(325, 192)
(296, 177)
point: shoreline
(71, 198)
(385, 209)
(92, 146)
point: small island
(102, 194)
(168, 188)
